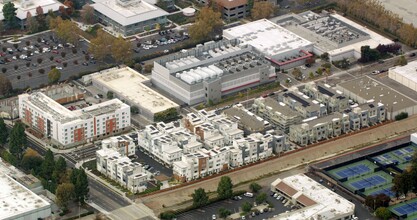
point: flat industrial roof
(408, 71)
(133, 12)
(370, 89)
(31, 6)
(15, 199)
(128, 83)
(279, 107)
(319, 201)
(373, 42)
(245, 118)
(266, 36)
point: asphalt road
(144, 158)
(105, 198)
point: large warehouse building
(19, 203)
(365, 89)
(65, 127)
(276, 43)
(406, 75)
(128, 17)
(210, 71)
(317, 201)
(128, 85)
(331, 33)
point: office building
(406, 75)
(315, 200)
(128, 17)
(208, 72)
(129, 85)
(280, 46)
(365, 89)
(67, 128)
(233, 9)
(19, 203)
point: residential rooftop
(15, 199)
(279, 107)
(319, 202)
(302, 99)
(372, 90)
(129, 85)
(267, 37)
(23, 7)
(313, 121)
(128, 12)
(246, 118)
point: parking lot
(28, 61)
(153, 165)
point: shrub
(401, 116)
(65, 64)
(41, 71)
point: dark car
(2, 62)
(58, 60)
(412, 54)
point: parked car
(248, 194)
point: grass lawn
(180, 19)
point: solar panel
(325, 91)
(298, 99)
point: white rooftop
(408, 71)
(30, 6)
(127, 12)
(129, 84)
(328, 204)
(373, 42)
(266, 36)
(15, 199)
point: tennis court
(369, 182)
(387, 159)
(386, 189)
(405, 208)
(353, 170)
(405, 153)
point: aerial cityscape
(208, 109)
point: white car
(376, 72)
(166, 51)
(303, 67)
(213, 217)
(25, 48)
(58, 68)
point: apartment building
(366, 114)
(121, 169)
(301, 103)
(68, 128)
(315, 129)
(332, 98)
(200, 164)
(247, 121)
(123, 144)
(276, 112)
(254, 147)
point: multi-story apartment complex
(276, 112)
(201, 163)
(208, 72)
(123, 144)
(332, 98)
(121, 169)
(247, 121)
(66, 127)
(254, 147)
(366, 114)
(301, 103)
(315, 129)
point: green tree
(207, 25)
(87, 14)
(4, 133)
(110, 95)
(311, 75)
(48, 165)
(121, 50)
(403, 183)
(5, 85)
(200, 198)
(260, 198)
(9, 14)
(1, 27)
(54, 75)
(66, 30)
(262, 9)
(32, 23)
(31, 161)
(60, 170)
(297, 73)
(17, 141)
(402, 61)
(255, 187)
(223, 212)
(383, 213)
(246, 206)
(250, 5)
(81, 186)
(224, 188)
(167, 115)
(148, 68)
(325, 56)
(320, 71)
(64, 193)
(101, 45)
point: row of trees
(224, 191)
(372, 11)
(406, 181)
(104, 46)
